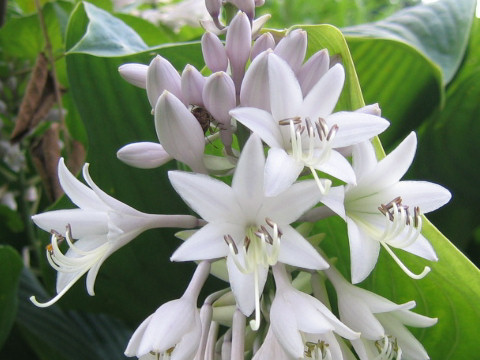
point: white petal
(243, 285)
(284, 327)
(110, 202)
(179, 132)
(354, 127)
(357, 315)
(290, 204)
(323, 97)
(297, 251)
(281, 171)
(208, 242)
(285, 93)
(212, 199)
(83, 223)
(134, 343)
(409, 318)
(422, 247)
(426, 195)
(144, 155)
(260, 122)
(187, 347)
(338, 167)
(334, 199)
(364, 159)
(390, 169)
(80, 194)
(247, 182)
(363, 252)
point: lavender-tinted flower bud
(179, 132)
(263, 42)
(144, 155)
(213, 7)
(247, 6)
(135, 74)
(238, 45)
(219, 98)
(161, 75)
(255, 89)
(293, 48)
(313, 70)
(214, 52)
(192, 83)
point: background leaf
(10, 267)
(71, 335)
(102, 34)
(439, 30)
(402, 68)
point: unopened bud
(214, 52)
(135, 74)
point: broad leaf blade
(72, 335)
(439, 30)
(10, 267)
(104, 35)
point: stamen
(317, 351)
(261, 247)
(388, 349)
(296, 120)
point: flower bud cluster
(299, 160)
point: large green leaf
(10, 268)
(404, 61)
(99, 33)
(448, 147)
(69, 335)
(439, 30)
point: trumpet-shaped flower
(382, 210)
(380, 322)
(101, 224)
(174, 330)
(304, 131)
(249, 228)
(302, 324)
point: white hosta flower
(303, 132)
(249, 228)
(174, 330)
(101, 224)
(384, 211)
(271, 349)
(380, 322)
(303, 325)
